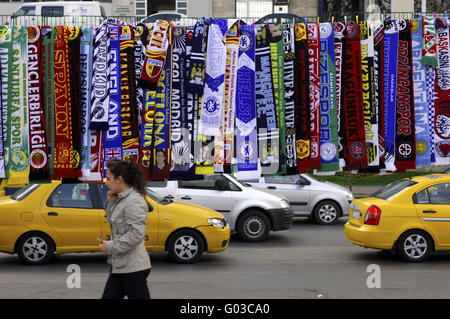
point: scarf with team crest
(339, 28)
(428, 40)
(195, 80)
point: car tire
(414, 246)
(35, 248)
(253, 226)
(185, 247)
(326, 212)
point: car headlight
(217, 222)
(348, 195)
(284, 203)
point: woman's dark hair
(130, 172)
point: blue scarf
(431, 75)
(246, 135)
(420, 98)
(390, 89)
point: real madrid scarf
(75, 92)
(378, 39)
(100, 80)
(355, 156)
(246, 134)
(422, 129)
(196, 71)
(370, 113)
(289, 97)
(302, 104)
(431, 76)
(112, 138)
(160, 166)
(329, 149)
(39, 169)
(6, 65)
(314, 95)
(442, 92)
(390, 91)
(267, 119)
(85, 96)
(155, 55)
(429, 42)
(405, 155)
(18, 153)
(232, 46)
(63, 156)
(339, 28)
(48, 89)
(129, 111)
(277, 63)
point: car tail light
(372, 216)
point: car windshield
(24, 191)
(157, 197)
(393, 189)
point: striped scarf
(196, 71)
(431, 76)
(428, 40)
(339, 29)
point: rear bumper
(281, 218)
(369, 236)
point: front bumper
(217, 239)
(281, 218)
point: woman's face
(160, 158)
(114, 184)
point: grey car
(322, 201)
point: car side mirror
(303, 182)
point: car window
(393, 189)
(439, 194)
(422, 197)
(26, 11)
(52, 11)
(288, 179)
(71, 196)
(211, 182)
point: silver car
(322, 201)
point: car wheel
(414, 246)
(326, 212)
(253, 226)
(185, 247)
(35, 248)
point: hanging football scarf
(181, 157)
(422, 130)
(232, 46)
(302, 104)
(18, 153)
(39, 169)
(329, 149)
(267, 120)
(2, 151)
(160, 166)
(277, 64)
(431, 76)
(370, 114)
(85, 96)
(314, 94)
(378, 39)
(47, 76)
(289, 97)
(140, 35)
(6, 65)
(442, 91)
(356, 155)
(155, 55)
(390, 91)
(100, 80)
(429, 42)
(339, 28)
(246, 134)
(405, 155)
(63, 161)
(129, 112)
(112, 138)
(75, 92)
(196, 71)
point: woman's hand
(111, 196)
(102, 245)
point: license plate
(356, 214)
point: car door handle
(186, 197)
(169, 196)
(52, 214)
(271, 187)
(429, 211)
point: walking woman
(126, 211)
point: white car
(250, 212)
(323, 201)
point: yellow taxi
(40, 220)
(410, 217)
